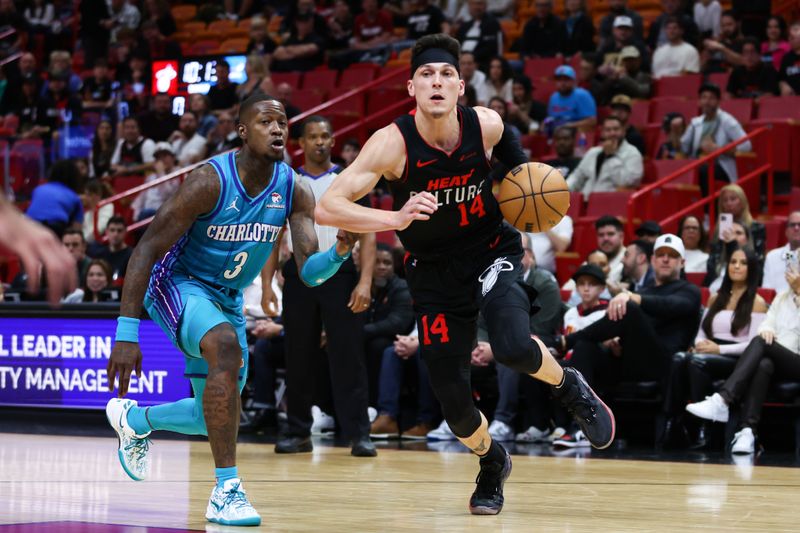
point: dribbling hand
(419, 207)
(269, 302)
(345, 241)
(125, 358)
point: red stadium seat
(686, 86)
(640, 111)
(320, 80)
(767, 294)
(665, 167)
(542, 67)
(776, 231)
(124, 183)
(292, 78)
(705, 294)
(566, 265)
(720, 79)
(357, 77)
(696, 278)
(353, 104)
(780, 107)
(659, 107)
(575, 205)
(565, 295)
(794, 199)
(608, 203)
(380, 97)
(740, 108)
(543, 89)
(26, 165)
(305, 99)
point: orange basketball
(534, 197)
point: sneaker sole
(691, 411)
(303, 449)
(613, 421)
(413, 437)
(570, 444)
(120, 455)
(484, 510)
(256, 521)
(384, 436)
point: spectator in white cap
(608, 56)
(147, 203)
(629, 78)
(640, 332)
(618, 8)
(570, 105)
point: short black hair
(353, 143)
(569, 129)
(66, 172)
(74, 231)
(383, 247)
(672, 19)
(223, 63)
(436, 40)
(751, 40)
(709, 87)
(250, 102)
(129, 118)
(117, 220)
(608, 220)
(315, 119)
(644, 247)
(729, 13)
(525, 81)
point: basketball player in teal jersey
(207, 243)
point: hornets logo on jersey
(229, 246)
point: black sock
(496, 453)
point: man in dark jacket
(481, 35)
(544, 34)
(389, 315)
(649, 326)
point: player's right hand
(269, 302)
(419, 207)
(125, 358)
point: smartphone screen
(725, 222)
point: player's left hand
(345, 241)
(360, 298)
(269, 302)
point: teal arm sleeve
(321, 266)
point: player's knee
(517, 351)
(766, 366)
(225, 350)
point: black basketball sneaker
(488, 495)
(593, 416)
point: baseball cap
(648, 227)
(621, 100)
(163, 146)
(565, 71)
(668, 240)
(628, 52)
(623, 20)
(590, 270)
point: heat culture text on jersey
(250, 232)
(468, 211)
(452, 189)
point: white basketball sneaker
(228, 505)
(712, 408)
(133, 449)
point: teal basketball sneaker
(133, 448)
(228, 505)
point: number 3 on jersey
(240, 259)
(475, 209)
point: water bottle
(580, 151)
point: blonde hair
(746, 218)
(60, 55)
(258, 65)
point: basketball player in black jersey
(462, 257)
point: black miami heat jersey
(468, 212)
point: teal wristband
(127, 329)
(335, 257)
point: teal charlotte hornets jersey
(228, 247)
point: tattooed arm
(314, 267)
(196, 196)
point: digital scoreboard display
(181, 77)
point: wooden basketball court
(78, 479)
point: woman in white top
(774, 347)
(94, 191)
(499, 82)
(696, 241)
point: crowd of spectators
(629, 307)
